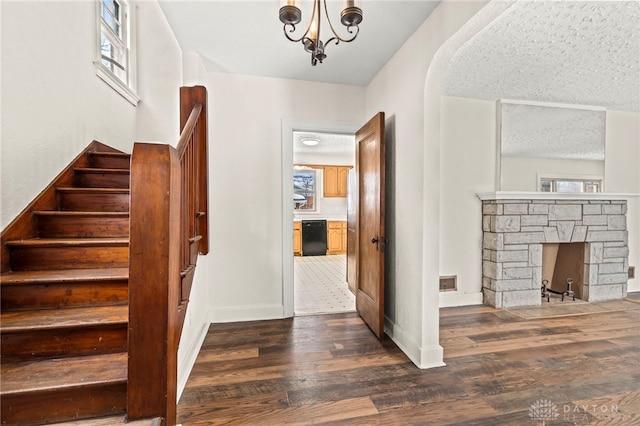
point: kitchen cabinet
(297, 239)
(335, 181)
(336, 237)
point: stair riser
(102, 180)
(64, 295)
(93, 202)
(36, 408)
(78, 226)
(72, 257)
(109, 162)
(59, 343)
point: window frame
(583, 180)
(317, 179)
(126, 41)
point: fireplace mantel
(508, 195)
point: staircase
(64, 297)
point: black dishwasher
(314, 237)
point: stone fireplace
(528, 237)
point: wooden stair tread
(102, 170)
(70, 213)
(110, 154)
(82, 190)
(46, 319)
(66, 242)
(63, 373)
(63, 276)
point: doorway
(322, 162)
(323, 276)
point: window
(569, 185)
(114, 62)
(304, 190)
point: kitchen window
(305, 190)
(115, 54)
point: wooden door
(371, 241)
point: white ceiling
(571, 52)
(246, 37)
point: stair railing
(168, 228)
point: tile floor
(320, 285)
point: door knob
(374, 240)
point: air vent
(632, 272)
(449, 283)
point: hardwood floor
(501, 370)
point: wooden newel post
(154, 282)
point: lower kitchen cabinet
(297, 238)
(336, 237)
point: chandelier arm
(347, 40)
(293, 28)
(336, 36)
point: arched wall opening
(432, 142)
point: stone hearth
(514, 231)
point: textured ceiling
(329, 143)
(548, 132)
(576, 52)
(246, 37)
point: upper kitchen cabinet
(335, 181)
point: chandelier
(291, 15)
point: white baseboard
(449, 299)
(422, 357)
(246, 313)
(186, 364)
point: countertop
(327, 218)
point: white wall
(54, 104)
(245, 160)
(399, 90)
(622, 174)
(159, 76)
(521, 174)
(330, 159)
(467, 157)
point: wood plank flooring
(501, 370)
